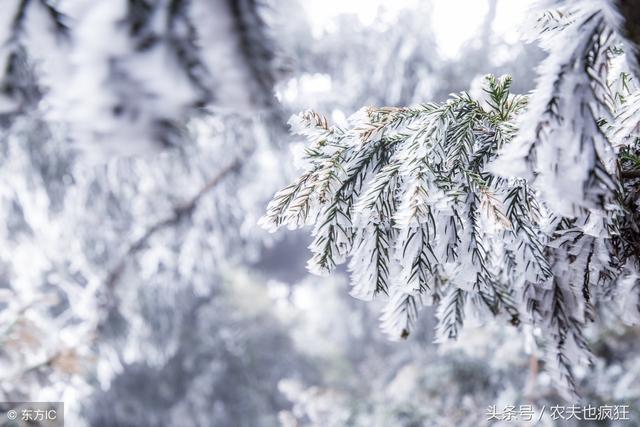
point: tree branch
(179, 212)
(630, 174)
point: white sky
(454, 21)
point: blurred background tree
(139, 289)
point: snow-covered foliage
(413, 383)
(123, 71)
(213, 359)
(561, 148)
(80, 238)
(445, 205)
(82, 242)
(135, 289)
(381, 190)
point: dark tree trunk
(630, 11)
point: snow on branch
(561, 147)
(403, 193)
(126, 74)
(408, 196)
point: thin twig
(630, 174)
(178, 213)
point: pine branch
(408, 194)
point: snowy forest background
(140, 144)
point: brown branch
(179, 212)
(534, 367)
(630, 174)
